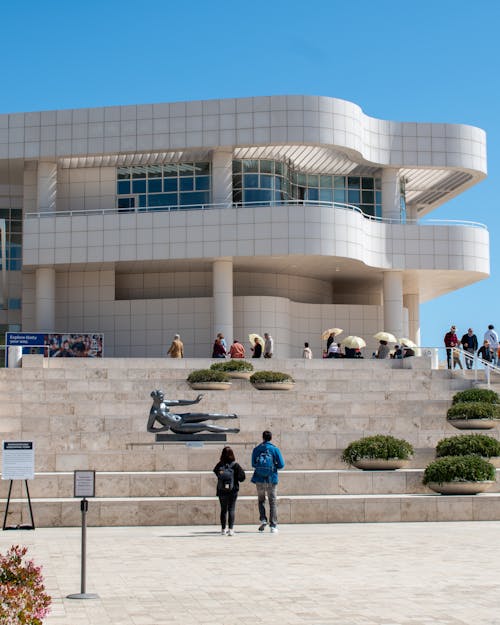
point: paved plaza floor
(339, 574)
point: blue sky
(426, 61)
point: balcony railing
(239, 205)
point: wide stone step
(291, 509)
(203, 483)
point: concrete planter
(473, 424)
(461, 488)
(239, 375)
(210, 386)
(379, 464)
(273, 386)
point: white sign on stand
(18, 460)
(84, 484)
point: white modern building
(285, 214)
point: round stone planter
(239, 375)
(379, 464)
(461, 488)
(473, 424)
(210, 386)
(273, 386)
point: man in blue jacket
(267, 460)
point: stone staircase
(91, 414)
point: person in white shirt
(492, 337)
(307, 352)
(268, 345)
(333, 350)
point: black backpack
(225, 478)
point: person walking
(485, 352)
(450, 341)
(470, 345)
(307, 352)
(176, 350)
(237, 350)
(218, 350)
(267, 460)
(256, 349)
(492, 337)
(268, 345)
(229, 476)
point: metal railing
(478, 365)
(242, 205)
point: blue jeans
(263, 489)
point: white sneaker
(230, 532)
(262, 526)
(274, 529)
(223, 532)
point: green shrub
(271, 376)
(473, 410)
(379, 446)
(207, 375)
(476, 394)
(459, 469)
(232, 365)
(468, 444)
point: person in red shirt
(450, 341)
(237, 350)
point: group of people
(489, 350)
(237, 350)
(267, 460)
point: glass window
(339, 196)
(138, 186)
(367, 197)
(258, 195)
(194, 198)
(126, 202)
(186, 169)
(138, 172)
(154, 171)
(378, 183)
(312, 180)
(186, 184)
(154, 185)
(169, 170)
(326, 195)
(312, 194)
(353, 182)
(325, 182)
(278, 168)
(339, 182)
(251, 181)
(202, 183)
(237, 181)
(170, 184)
(202, 168)
(124, 187)
(123, 173)
(143, 202)
(267, 167)
(251, 165)
(352, 197)
(266, 182)
(367, 183)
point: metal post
(84, 506)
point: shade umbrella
(353, 342)
(252, 337)
(385, 336)
(327, 333)
(407, 342)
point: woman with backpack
(229, 475)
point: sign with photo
(74, 345)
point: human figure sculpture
(184, 423)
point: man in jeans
(267, 460)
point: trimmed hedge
(381, 447)
(468, 444)
(271, 376)
(232, 365)
(473, 410)
(459, 469)
(208, 375)
(475, 395)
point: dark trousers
(449, 356)
(227, 508)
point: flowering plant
(22, 592)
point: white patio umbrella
(327, 333)
(353, 342)
(385, 336)
(407, 342)
(253, 336)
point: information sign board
(84, 484)
(18, 460)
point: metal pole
(84, 506)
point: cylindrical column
(222, 177)
(411, 301)
(393, 303)
(223, 298)
(46, 186)
(391, 195)
(45, 302)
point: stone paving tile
(339, 574)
